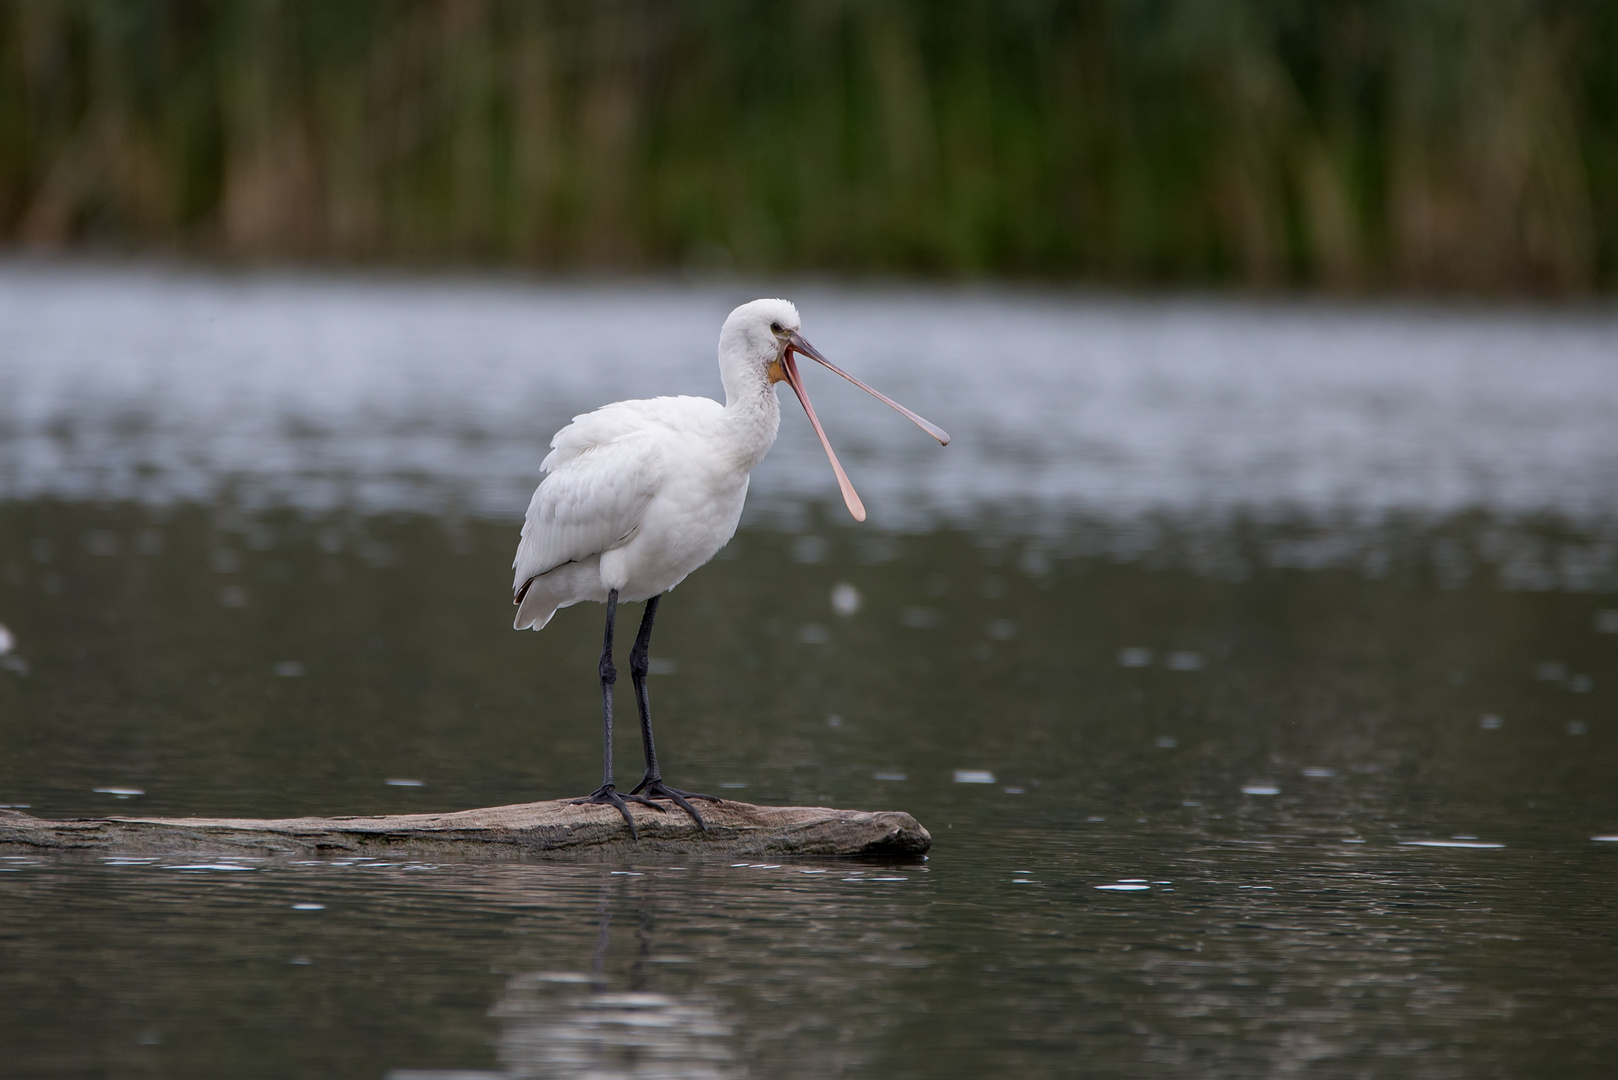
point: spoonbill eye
(775, 327)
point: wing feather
(602, 470)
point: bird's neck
(752, 418)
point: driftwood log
(542, 829)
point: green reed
(1360, 144)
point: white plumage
(640, 493)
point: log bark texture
(542, 829)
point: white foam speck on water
(846, 599)
(120, 792)
(8, 640)
(1448, 844)
(1123, 887)
(1134, 657)
(208, 866)
(1490, 722)
(973, 776)
(1317, 773)
(1606, 839)
(733, 784)
(407, 783)
(1260, 789)
(308, 907)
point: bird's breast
(693, 514)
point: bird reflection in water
(576, 1024)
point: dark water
(1279, 787)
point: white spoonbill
(640, 493)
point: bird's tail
(565, 585)
(534, 607)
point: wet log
(541, 829)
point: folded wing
(603, 469)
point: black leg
(652, 783)
(609, 678)
(607, 794)
(640, 662)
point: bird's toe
(608, 795)
(656, 789)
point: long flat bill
(922, 422)
(851, 498)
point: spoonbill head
(769, 332)
(638, 494)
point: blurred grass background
(1429, 145)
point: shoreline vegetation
(1364, 146)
